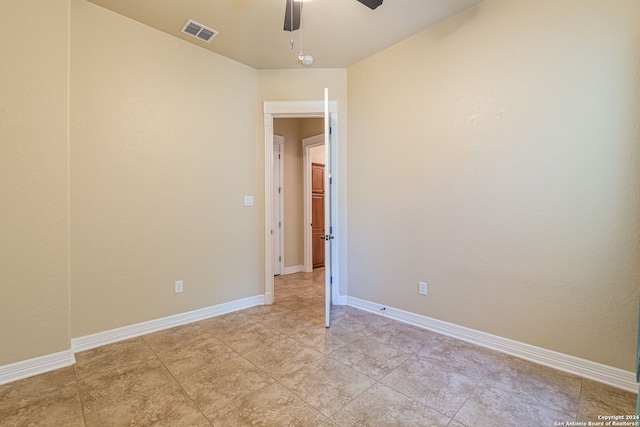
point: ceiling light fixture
(292, 22)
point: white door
(278, 146)
(328, 237)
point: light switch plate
(422, 288)
(248, 200)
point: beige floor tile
(370, 357)
(340, 310)
(226, 323)
(272, 405)
(325, 340)
(282, 357)
(52, 407)
(381, 406)
(454, 355)
(291, 323)
(372, 322)
(351, 324)
(106, 387)
(195, 355)
(294, 303)
(264, 311)
(327, 385)
(112, 355)
(545, 386)
(159, 406)
(600, 399)
(313, 312)
(444, 391)
(403, 337)
(223, 382)
(250, 337)
(499, 408)
(27, 388)
(174, 338)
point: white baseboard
(615, 377)
(36, 366)
(131, 331)
(40, 365)
(293, 269)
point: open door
(328, 237)
(293, 109)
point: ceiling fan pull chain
(291, 12)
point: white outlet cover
(179, 286)
(248, 200)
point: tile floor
(278, 366)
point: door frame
(294, 109)
(307, 145)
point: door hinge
(278, 156)
(279, 224)
(330, 130)
(279, 258)
(330, 230)
(331, 280)
(330, 180)
(279, 190)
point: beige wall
(317, 154)
(34, 143)
(163, 153)
(157, 158)
(294, 131)
(306, 85)
(496, 157)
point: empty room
(478, 188)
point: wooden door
(317, 214)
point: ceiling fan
(292, 17)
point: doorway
(296, 109)
(311, 146)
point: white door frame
(278, 206)
(292, 109)
(307, 145)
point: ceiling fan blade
(371, 4)
(292, 21)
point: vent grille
(199, 31)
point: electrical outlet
(422, 288)
(179, 286)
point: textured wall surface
(163, 153)
(34, 144)
(495, 156)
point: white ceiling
(337, 33)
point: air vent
(199, 31)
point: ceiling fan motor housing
(372, 4)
